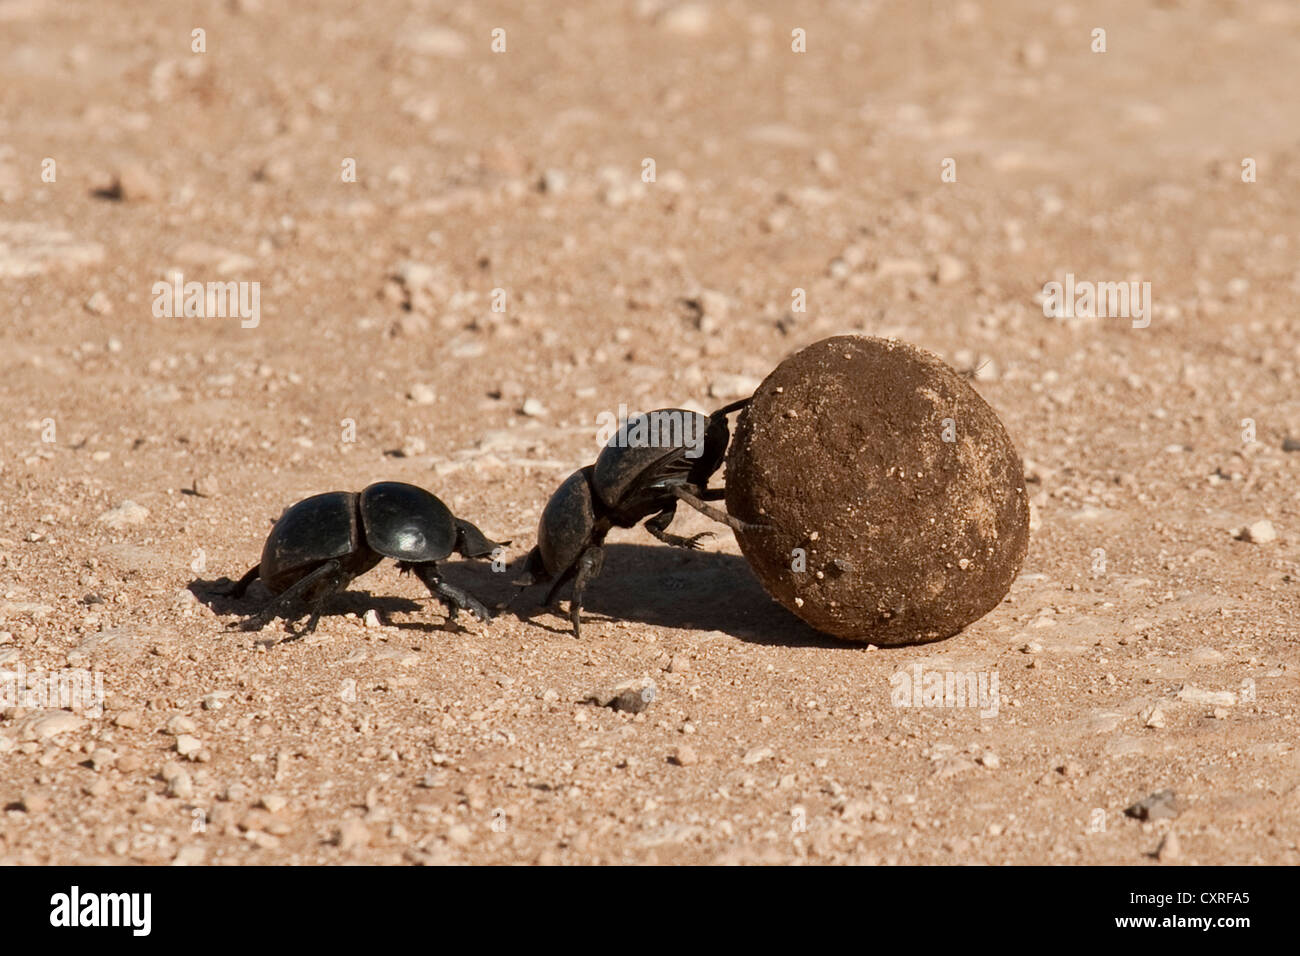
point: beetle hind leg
(236, 589)
(717, 514)
(321, 583)
(560, 582)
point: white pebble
(422, 394)
(127, 513)
(1261, 532)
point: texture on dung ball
(893, 498)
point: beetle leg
(735, 524)
(589, 565)
(658, 526)
(726, 410)
(559, 582)
(331, 570)
(456, 599)
(237, 588)
(461, 600)
(713, 494)
(533, 571)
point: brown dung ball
(893, 499)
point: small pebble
(134, 183)
(1169, 849)
(1155, 717)
(630, 696)
(352, 834)
(191, 854)
(127, 513)
(554, 182)
(687, 20)
(179, 782)
(949, 270)
(129, 763)
(180, 724)
(34, 802)
(1161, 805)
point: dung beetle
(651, 463)
(321, 543)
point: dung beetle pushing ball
(321, 543)
(651, 463)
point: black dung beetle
(321, 543)
(641, 471)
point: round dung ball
(891, 501)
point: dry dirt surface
(502, 270)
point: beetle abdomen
(406, 522)
(309, 533)
(567, 522)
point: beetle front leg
(658, 526)
(589, 565)
(456, 599)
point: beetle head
(472, 543)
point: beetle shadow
(352, 601)
(690, 590)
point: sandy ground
(1146, 644)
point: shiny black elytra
(321, 543)
(629, 481)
